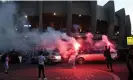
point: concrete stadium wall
(122, 36)
(101, 15)
(128, 25)
(110, 15)
(32, 7)
(93, 11)
(80, 8)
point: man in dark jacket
(130, 64)
(108, 58)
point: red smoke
(69, 45)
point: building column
(110, 13)
(122, 36)
(128, 26)
(69, 17)
(93, 9)
(40, 15)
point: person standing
(41, 60)
(130, 64)
(20, 58)
(108, 59)
(6, 63)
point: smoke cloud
(10, 38)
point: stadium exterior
(93, 18)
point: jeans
(41, 69)
(109, 64)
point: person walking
(41, 60)
(130, 64)
(108, 59)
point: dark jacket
(107, 54)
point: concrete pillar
(40, 15)
(93, 10)
(122, 37)
(110, 14)
(69, 17)
(128, 25)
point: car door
(96, 55)
(89, 55)
(99, 55)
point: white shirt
(7, 61)
(41, 60)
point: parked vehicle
(93, 55)
(51, 57)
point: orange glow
(76, 46)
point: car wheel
(81, 60)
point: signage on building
(130, 40)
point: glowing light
(54, 13)
(79, 15)
(25, 16)
(76, 46)
(4, 1)
(108, 43)
(25, 36)
(27, 25)
(16, 29)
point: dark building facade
(90, 16)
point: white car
(52, 57)
(93, 55)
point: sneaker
(44, 78)
(39, 78)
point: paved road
(63, 72)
